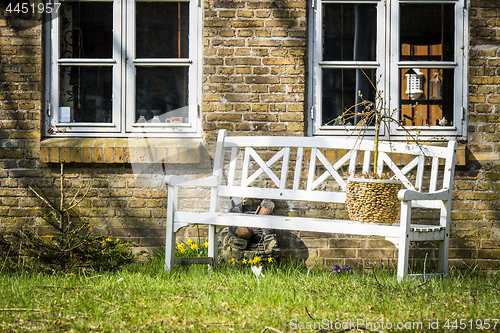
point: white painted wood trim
(434, 175)
(420, 173)
(298, 168)
(173, 180)
(312, 169)
(415, 195)
(232, 166)
(281, 194)
(284, 167)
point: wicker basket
(373, 200)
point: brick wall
(255, 72)
(476, 207)
(20, 98)
(254, 65)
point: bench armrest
(407, 195)
(172, 180)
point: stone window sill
(123, 150)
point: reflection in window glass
(86, 29)
(340, 92)
(433, 104)
(85, 94)
(161, 92)
(349, 32)
(162, 29)
(427, 32)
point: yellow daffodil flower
(194, 246)
(189, 241)
(233, 260)
(270, 259)
(206, 244)
(244, 261)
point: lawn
(290, 298)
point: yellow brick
(184, 156)
(247, 23)
(138, 155)
(44, 154)
(65, 154)
(87, 155)
(108, 155)
(119, 158)
(195, 155)
(76, 154)
(259, 107)
(245, 13)
(226, 13)
(295, 116)
(54, 154)
(98, 155)
(295, 127)
(126, 155)
(172, 155)
(25, 135)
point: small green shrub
(69, 247)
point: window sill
(123, 150)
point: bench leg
(404, 239)
(444, 244)
(443, 255)
(169, 249)
(212, 244)
(169, 233)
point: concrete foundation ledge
(123, 150)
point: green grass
(142, 298)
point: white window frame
(387, 66)
(123, 62)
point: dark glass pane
(349, 32)
(163, 92)
(341, 88)
(428, 99)
(86, 29)
(85, 94)
(162, 30)
(427, 32)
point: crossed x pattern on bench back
(298, 168)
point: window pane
(349, 32)
(86, 30)
(341, 89)
(427, 97)
(85, 94)
(162, 29)
(427, 32)
(162, 92)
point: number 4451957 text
(26, 7)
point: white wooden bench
(314, 169)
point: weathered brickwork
(254, 67)
(254, 82)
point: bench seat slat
(417, 232)
(281, 194)
(287, 223)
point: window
(413, 51)
(121, 67)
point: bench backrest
(316, 168)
